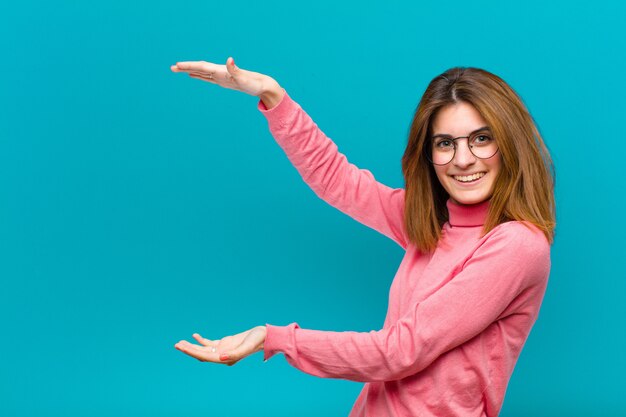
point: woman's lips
(468, 183)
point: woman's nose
(463, 157)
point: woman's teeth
(469, 178)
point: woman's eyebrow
(445, 135)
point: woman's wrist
(272, 93)
(263, 330)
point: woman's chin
(469, 198)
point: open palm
(227, 76)
(228, 350)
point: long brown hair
(524, 187)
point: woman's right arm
(352, 190)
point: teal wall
(138, 206)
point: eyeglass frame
(473, 134)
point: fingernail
(223, 357)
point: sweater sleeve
(511, 265)
(327, 172)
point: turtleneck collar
(467, 215)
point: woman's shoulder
(518, 246)
(520, 235)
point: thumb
(231, 67)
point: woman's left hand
(228, 350)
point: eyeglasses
(481, 145)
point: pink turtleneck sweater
(457, 318)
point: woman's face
(461, 119)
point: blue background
(138, 206)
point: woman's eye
(481, 139)
(444, 143)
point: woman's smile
(470, 178)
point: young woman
(476, 220)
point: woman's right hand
(235, 78)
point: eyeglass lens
(482, 145)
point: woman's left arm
(512, 265)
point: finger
(232, 69)
(203, 341)
(210, 74)
(223, 80)
(189, 349)
(198, 66)
(184, 67)
(200, 77)
(215, 75)
(199, 352)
